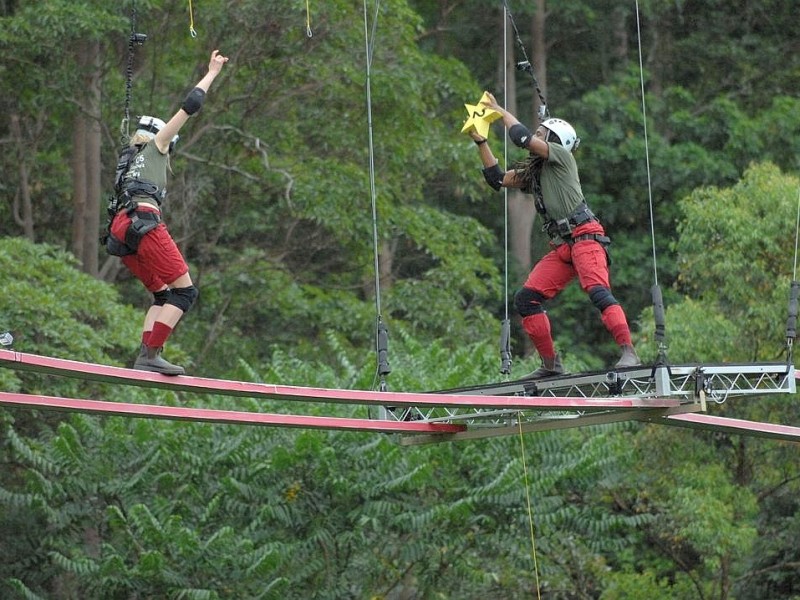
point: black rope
(505, 347)
(791, 321)
(383, 354)
(661, 323)
(135, 39)
(526, 66)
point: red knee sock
(616, 323)
(538, 329)
(161, 331)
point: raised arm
(192, 103)
(532, 141)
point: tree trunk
(87, 162)
(23, 206)
(79, 191)
(520, 208)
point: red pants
(587, 260)
(158, 261)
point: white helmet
(564, 131)
(149, 126)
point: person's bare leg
(164, 321)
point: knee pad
(161, 297)
(601, 297)
(529, 302)
(183, 298)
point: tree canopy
(296, 254)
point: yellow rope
(530, 510)
(308, 20)
(192, 32)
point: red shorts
(158, 262)
(586, 260)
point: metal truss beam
(687, 384)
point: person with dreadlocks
(577, 238)
(138, 234)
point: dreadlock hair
(530, 169)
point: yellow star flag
(480, 117)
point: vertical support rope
(794, 290)
(658, 303)
(646, 145)
(796, 232)
(530, 509)
(382, 333)
(505, 327)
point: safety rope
(505, 326)
(308, 19)
(124, 128)
(382, 332)
(192, 31)
(526, 66)
(658, 302)
(530, 509)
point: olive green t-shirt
(151, 166)
(561, 185)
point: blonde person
(139, 235)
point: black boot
(151, 360)
(550, 367)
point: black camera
(139, 38)
(524, 66)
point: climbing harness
(563, 228)
(124, 191)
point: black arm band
(194, 101)
(494, 176)
(520, 135)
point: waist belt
(138, 187)
(562, 228)
(601, 239)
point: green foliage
(52, 308)
(271, 202)
(731, 258)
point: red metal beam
(105, 373)
(182, 413)
(737, 426)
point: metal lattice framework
(674, 395)
(691, 386)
